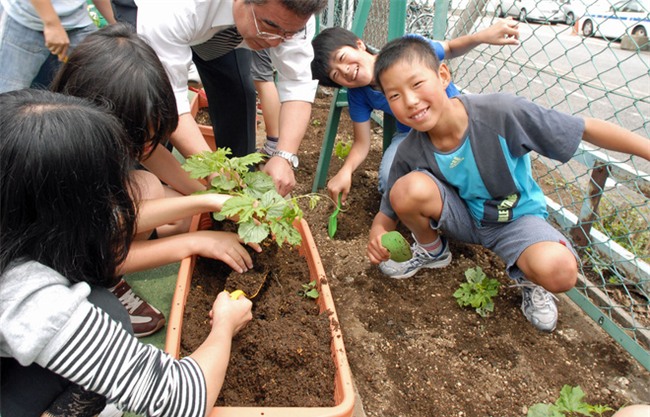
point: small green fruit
(399, 248)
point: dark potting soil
(283, 356)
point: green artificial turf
(156, 286)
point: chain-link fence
(600, 198)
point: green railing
(600, 198)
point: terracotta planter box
(343, 389)
(200, 101)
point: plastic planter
(343, 389)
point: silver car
(546, 11)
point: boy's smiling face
(352, 67)
(416, 93)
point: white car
(628, 17)
(572, 10)
(547, 11)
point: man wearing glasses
(204, 30)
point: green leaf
(223, 184)
(285, 232)
(313, 293)
(258, 183)
(570, 401)
(543, 410)
(342, 149)
(253, 232)
(273, 204)
(242, 206)
(248, 160)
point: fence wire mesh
(600, 198)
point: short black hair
(409, 49)
(325, 44)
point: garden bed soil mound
(414, 352)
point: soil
(414, 352)
(284, 350)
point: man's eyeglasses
(285, 36)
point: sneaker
(145, 319)
(538, 305)
(421, 259)
(110, 411)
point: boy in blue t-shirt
(464, 169)
(341, 59)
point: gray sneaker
(421, 259)
(538, 305)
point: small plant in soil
(309, 290)
(569, 404)
(477, 292)
(259, 209)
(342, 148)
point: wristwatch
(290, 157)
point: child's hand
(503, 32)
(340, 184)
(234, 314)
(376, 251)
(224, 246)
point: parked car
(547, 11)
(572, 10)
(627, 17)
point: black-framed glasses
(285, 36)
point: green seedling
(569, 404)
(309, 290)
(332, 225)
(342, 149)
(477, 292)
(399, 248)
(259, 209)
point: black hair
(325, 44)
(114, 64)
(407, 48)
(64, 186)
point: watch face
(294, 161)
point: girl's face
(416, 93)
(352, 67)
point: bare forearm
(188, 138)
(149, 254)
(613, 137)
(154, 213)
(294, 119)
(167, 168)
(360, 146)
(213, 357)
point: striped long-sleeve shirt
(46, 320)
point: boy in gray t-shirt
(464, 170)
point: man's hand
(503, 32)
(282, 174)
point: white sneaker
(538, 305)
(110, 411)
(421, 259)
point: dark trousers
(28, 391)
(231, 97)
